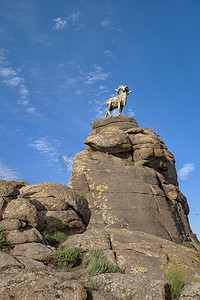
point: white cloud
(96, 75)
(130, 112)
(99, 108)
(23, 91)
(47, 147)
(11, 77)
(108, 53)
(105, 23)
(23, 102)
(102, 87)
(8, 174)
(73, 19)
(59, 23)
(66, 162)
(183, 173)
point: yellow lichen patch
(139, 270)
(197, 276)
(196, 258)
(88, 177)
(101, 188)
(91, 186)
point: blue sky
(61, 60)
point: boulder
(11, 224)
(35, 251)
(8, 190)
(7, 261)
(23, 210)
(20, 237)
(111, 140)
(67, 221)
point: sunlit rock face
(129, 178)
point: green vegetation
(176, 280)
(152, 130)
(3, 245)
(132, 163)
(59, 236)
(68, 256)
(98, 264)
(94, 260)
(54, 238)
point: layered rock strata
(129, 178)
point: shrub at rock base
(94, 260)
(176, 280)
(98, 264)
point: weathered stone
(23, 210)
(141, 194)
(7, 189)
(94, 294)
(67, 221)
(20, 237)
(7, 261)
(126, 286)
(10, 224)
(191, 291)
(35, 251)
(37, 285)
(135, 130)
(93, 238)
(115, 121)
(18, 184)
(111, 139)
(54, 196)
(30, 263)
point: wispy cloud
(130, 112)
(50, 150)
(59, 23)
(184, 172)
(47, 147)
(99, 108)
(66, 162)
(11, 77)
(8, 174)
(73, 20)
(109, 54)
(97, 75)
(105, 23)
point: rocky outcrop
(122, 199)
(129, 178)
(28, 212)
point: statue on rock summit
(118, 101)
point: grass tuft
(59, 236)
(176, 280)
(95, 261)
(98, 264)
(3, 244)
(69, 256)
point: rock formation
(123, 199)
(129, 179)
